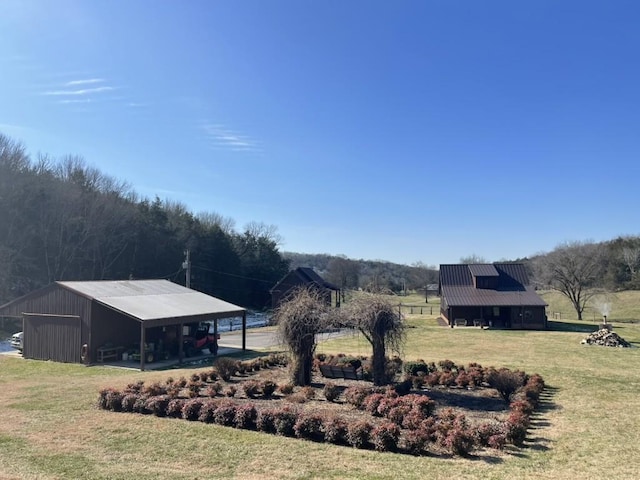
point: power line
(232, 274)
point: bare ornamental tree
(303, 315)
(380, 322)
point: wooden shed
(76, 321)
(304, 277)
(495, 295)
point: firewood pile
(606, 338)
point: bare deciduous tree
(380, 322)
(631, 258)
(214, 219)
(473, 258)
(299, 319)
(344, 273)
(573, 269)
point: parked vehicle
(200, 336)
(16, 341)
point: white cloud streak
(84, 91)
(222, 137)
(88, 81)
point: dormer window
(485, 276)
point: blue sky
(402, 131)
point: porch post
(180, 342)
(142, 342)
(244, 330)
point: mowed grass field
(588, 428)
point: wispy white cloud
(222, 137)
(74, 100)
(88, 81)
(83, 91)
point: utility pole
(187, 266)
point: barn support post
(244, 330)
(215, 335)
(180, 342)
(143, 332)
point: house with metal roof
(97, 320)
(495, 295)
(304, 277)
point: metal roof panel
(154, 299)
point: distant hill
(351, 273)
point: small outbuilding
(495, 295)
(85, 322)
(304, 277)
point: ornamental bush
(246, 415)
(285, 419)
(506, 382)
(174, 408)
(384, 437)
(415, 441)
(213, 389)
(154, 389)
(265, 420)
(286, 389)
(331, 391)
(356, 394)
(128, 401)
(251, 388)
(158, 405)
(268, 388)
(191, 409)
(134, 387)
(310, 427)
(335, 430)
(422, 404)
(516, 428)
(483, 432)
(110, 399)
(207, 410)
(226, 367)
(359, 433)
(447, 365)
(416, 368)
(457, 438)
(372, 402)
(225, 413)
(140, 405)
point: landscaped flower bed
(403, 417)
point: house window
(496, 311)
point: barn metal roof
(457, 288)
(307, 275)
(483, 270)
(152, 300)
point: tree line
(587, 272)
(63, 220)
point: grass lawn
(589, 426)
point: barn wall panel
(53, 337)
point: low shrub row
(398, 422)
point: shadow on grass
(209, 360)
(539, 421)
(571, 327)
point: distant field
(588, 428)
(625, 307)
